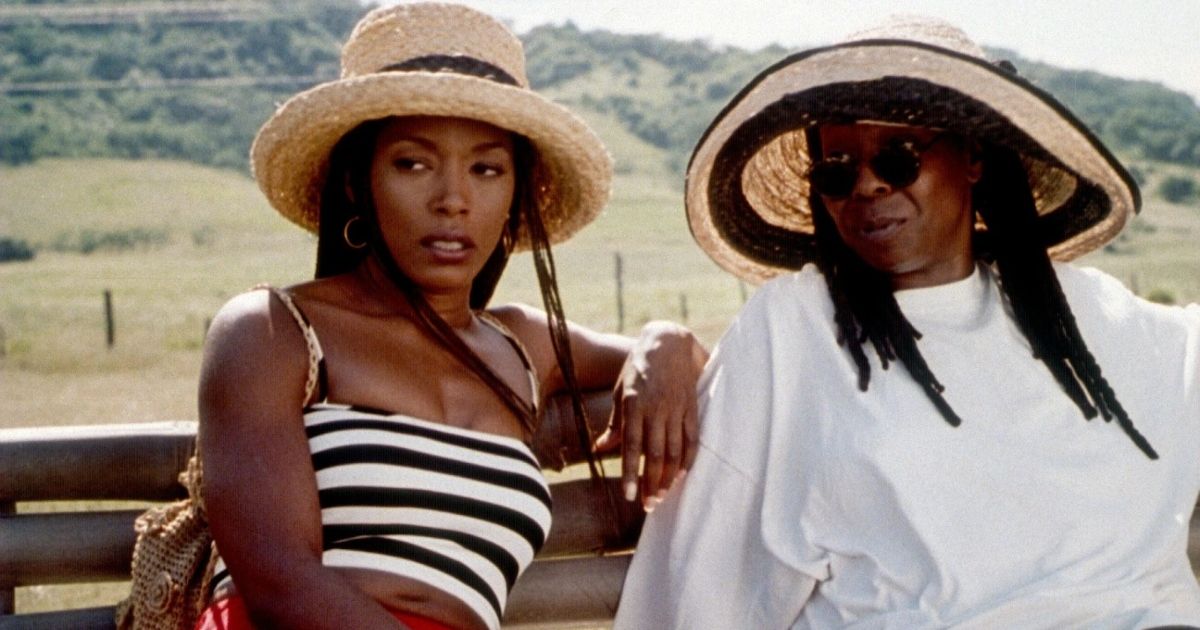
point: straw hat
(435, 60)
(747, 195)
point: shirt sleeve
(701, 561)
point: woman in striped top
(366, 435)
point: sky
(1156, 40)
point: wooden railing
(576, 578)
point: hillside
(123, 164)
(180, 82)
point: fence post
(683, 311)
(742, 290)
(620, 292)
(109, 326)
(8, 593)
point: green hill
(140, 189)
(195, 85)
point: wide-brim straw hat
(432, 59)
(747, 193)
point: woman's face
(442, 188)
(919, 234)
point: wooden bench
(575, 581)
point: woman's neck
(453, 307)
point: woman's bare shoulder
(253, 346)
(515, 315)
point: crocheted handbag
(172, 562)
(174, 554)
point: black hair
(865, 307)
(342, 218)
(346, 195)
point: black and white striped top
(461, 510)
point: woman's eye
(410, 164)
(488, 170)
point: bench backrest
(577, 576)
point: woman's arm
(702, 560)
(259, 486)
(654, 410)
(653, 378)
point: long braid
(350, 170)
(1003, 199)
(543, 261)
(849, 334)
(1043, 315)
(525, 207)
(865, 308)
(437, 328)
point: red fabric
(230, 614)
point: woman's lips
(881, 228)
(448, 248)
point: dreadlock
(1043, 315)
(865, 307)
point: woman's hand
(654, 410)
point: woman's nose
(869, 184)
(453, 193)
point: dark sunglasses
(898, 163)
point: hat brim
(290, 154)
(746, 193)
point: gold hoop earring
(346, 234)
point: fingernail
(630, 491)
(651, 503)
(680, 476)
(661, 494)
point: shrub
(14, 249)
(120, 240)
(1177, 188)
(1161, 296)
(88, 241)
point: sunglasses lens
(897, 165)
(834, 178)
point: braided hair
(865, 308)
(347, 194)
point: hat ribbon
(459, 64)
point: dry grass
(55, 368)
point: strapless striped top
(460, 510)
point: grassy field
(214, 236)
(219, 237)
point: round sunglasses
(897, 163)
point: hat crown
(748, 201)
(391, 35)
(923, 30)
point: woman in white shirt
(911, 202)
